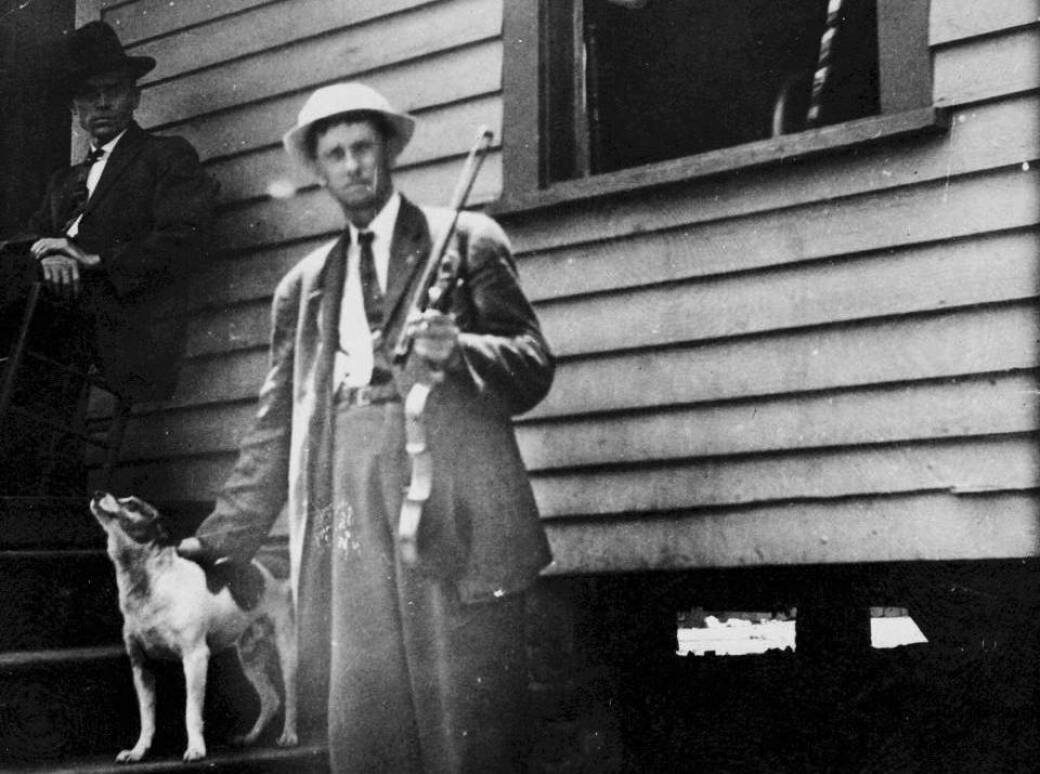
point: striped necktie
(79, 194)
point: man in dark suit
(115, 237)
(421, 667)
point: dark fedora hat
(94, 49)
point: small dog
(171, 610)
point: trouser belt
(367, 395)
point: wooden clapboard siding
(988, 67)
(936, 346)
(137, 20)
(1006, 463)
(763, 193)
(905, 527)
(230, 279)
(229, 329)
(954, 20)
(748, 359)
(440, 79)
(903, 412)
(263, 28)
(234, 376)
(346, 53)
(940, 348)
(890, 282)
(588, 249)
(829, 360)
(968, 277)
(196, 477)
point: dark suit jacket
(481, 527)
(147, 219)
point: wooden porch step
(60, 705)
(62, 598)
(306, 759)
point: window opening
(632, 82)
(737, 633)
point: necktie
(79, 193)
(373, 297)
(370, 282)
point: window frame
(905, 75)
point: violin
(428, 296)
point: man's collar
(382, 225)
(109, 146)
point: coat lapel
(125, 151)
(408, 252)
(328, 293)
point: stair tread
(30, 658)
(312, 754)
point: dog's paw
(287, 739)
(131, 756)
(195, 753)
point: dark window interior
(627, 86)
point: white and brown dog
(173, 610)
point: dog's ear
(144, 522)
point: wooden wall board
(988, 465)
(314, 61)
(952, 21)
(932, 278)
(234, 377)
(232, 328)
(139, 20)
(954, 408)
(262, 28)
(202, 430)
(988, 68)
(585, 248)
(417, 86)
(946, 344)
(198, 477)
(910, 528)
(957, 343)
(991, 404)
(228, 280)
(908, 280)
(982, 137)
(967, 209)
(981, 270)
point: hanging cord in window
(824, 61)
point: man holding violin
(418, 656)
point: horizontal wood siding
(826, 361)
(832, 361)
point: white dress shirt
(93, 176)
(354, 360)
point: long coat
(480, 527)
(147, 219)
